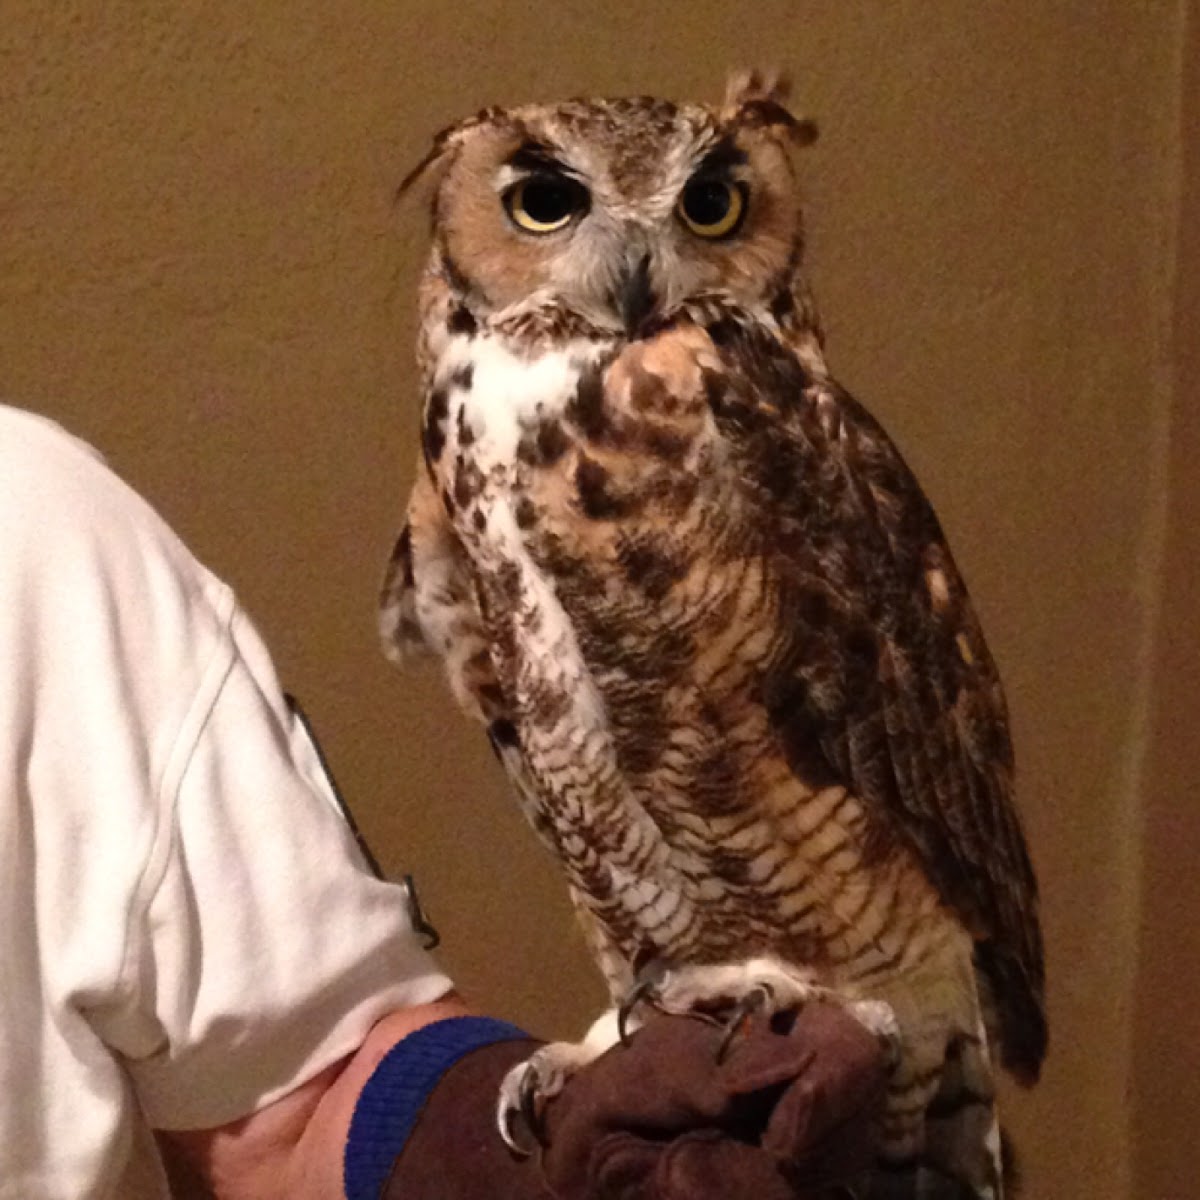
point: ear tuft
(759, 98)
(748, 85)
(445, 142)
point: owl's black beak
(635, 297)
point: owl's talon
(755, 1000)
(646, 988)
(530, 1083)
(508, 1135)
(517, 1117)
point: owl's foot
(529, 1086)
(733, 992)
(525, 1090)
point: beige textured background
(201, 270)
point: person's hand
(778, 1116)
(781, 1116)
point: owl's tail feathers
(922, 1180)
(1015, 999)
(914, 1181)
(965, 1155)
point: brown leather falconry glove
(780, 1116)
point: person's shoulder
(30, 441)
(51, 472)
(62, 506)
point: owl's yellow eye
(545, 203)
(712, 208)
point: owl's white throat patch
(495, 398)
(499, 394)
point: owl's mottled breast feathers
(767, 608)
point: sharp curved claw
(520, 1109)
(529, 1106)
(753, 1001)
(508, 1136)
(644, 989)
(647, 987)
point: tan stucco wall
(1166, 1070)
(202, 271)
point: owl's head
(619, 210)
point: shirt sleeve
(263, 949)
(186, 929)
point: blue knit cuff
(394, 1096)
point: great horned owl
(705, 611)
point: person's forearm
(413, 1114)
(293, 1148)
(316, 1164)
